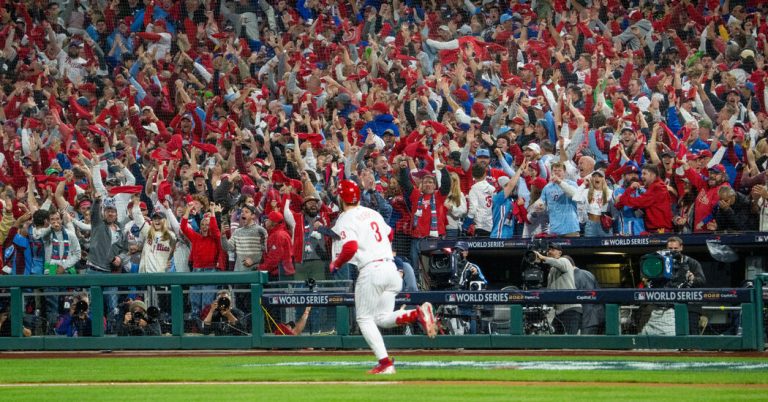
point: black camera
(223, 303)
(540, 246)
(138, 316)
(533, 270)
(310, 283)
(153, 312)
(81, 307)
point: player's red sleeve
(347, 252)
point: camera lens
(81, 307)
(530, 257)
(223, 303)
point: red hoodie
(205, 249)
(706, 201)
(279, 250)
(656, 203)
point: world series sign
(597, 296)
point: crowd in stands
(203, 135)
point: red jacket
(279, 250)
(705, 201)
(205, 249)
(420, 202)
(656, 203)
(299, 231)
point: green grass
(235, 368)
(409, 384)
(394, 393)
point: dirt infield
(418, 352)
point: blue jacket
(379, 125)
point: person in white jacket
(456, 205)
(480, 202)
(595, 194)
(159, 241)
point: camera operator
(467, 276)
(223, 318)
(140, 321)
(561, 276)
(77, 320)
(686, 273)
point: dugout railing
(749, 300)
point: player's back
(371, 232)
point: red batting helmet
(349, 192)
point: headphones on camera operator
(464, 274)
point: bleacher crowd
(203, 135)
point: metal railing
(748, 300)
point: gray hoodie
(103, 249)
(561, 277)
(629, 38)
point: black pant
(482, 233)
(568, 322)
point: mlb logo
(275, 300)
(451, 298)
(639, 295)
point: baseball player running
(364, 239)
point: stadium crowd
(203, 135)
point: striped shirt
(246, 242)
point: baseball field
(421, 376)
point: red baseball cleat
(386, 367)
(427, 319)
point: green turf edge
(235, 368)
(394, 393)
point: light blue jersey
(503, 221)
(628, 221)
(561, 208)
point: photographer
(467, 276)
(77, 320)
(223, 318)
(140, 321)
(561, 276)
(686, 273)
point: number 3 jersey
(480, 203)
(368, 229)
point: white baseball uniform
(378, 281)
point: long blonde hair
(455, 194)
(165, 234)
(591, 192)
